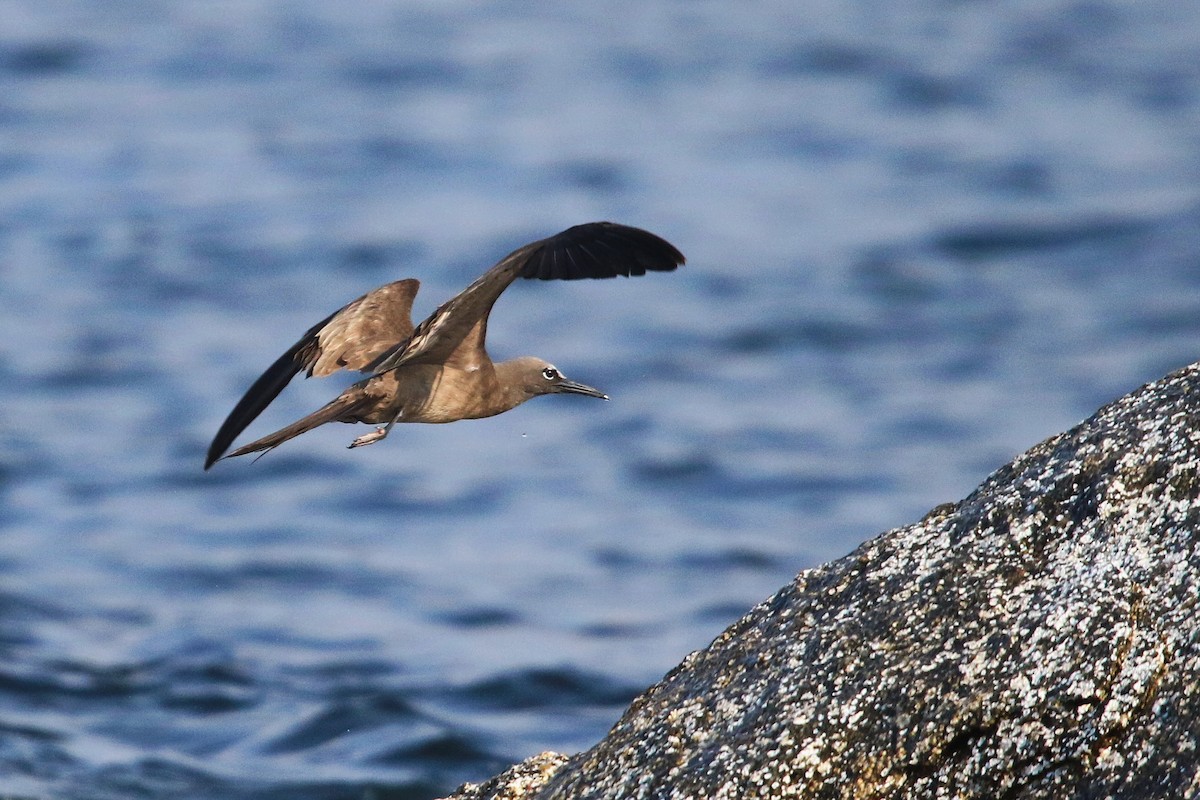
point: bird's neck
(510, 389)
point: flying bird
(439, 371)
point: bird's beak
(574, 387)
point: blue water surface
(921, 237)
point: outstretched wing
(454, 334)
(351, 338)
(599, 250)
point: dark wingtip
(601, 250)
(264, 390)
(215, 454)
(257, 397)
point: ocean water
(921, 237)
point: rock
(515, 783)
(1038, 639)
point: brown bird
(439, 371)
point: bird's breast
(435, 394)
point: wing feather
(350, 338)
(455, 333)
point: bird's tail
(338, 409)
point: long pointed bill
(574, 387)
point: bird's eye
(550, 374)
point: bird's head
(533, 376)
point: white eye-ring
(550, 374)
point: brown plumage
(439, 371)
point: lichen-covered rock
(1038, 639)
(515, 783)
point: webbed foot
(370, 438)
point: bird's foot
(370, 438)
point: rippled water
(921, 237)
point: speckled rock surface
(1038, 639)
(515, 783)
